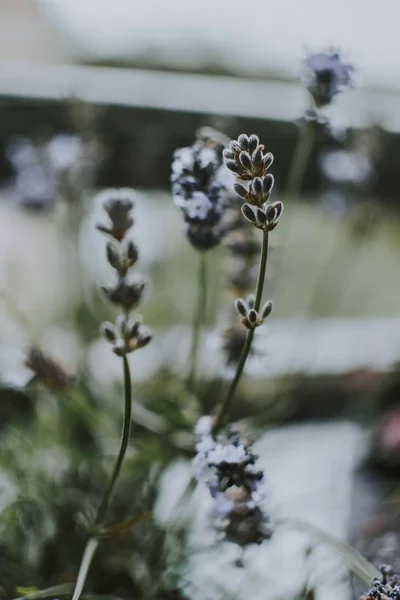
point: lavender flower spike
(199, 192)
(235, 484)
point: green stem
(297, 169)
(299, 161)
(198, 320)
(93, 541)
(261, 271)
(249, 338)
(126, 430)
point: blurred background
(99, 94)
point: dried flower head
(122, 259)
(126, 294)
(246, 158)
(127, 335)
(118, 204)
(385, 588)
(234, 482)
(46, 370)
(251, 317)
(198, 191)
(326, 75)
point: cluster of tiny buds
(387, 587)
(246, 158)
(251, 317)
(126, 335)
(118, 205)
(229, 469)
(126, 294)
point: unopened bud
(241, 190)
(252, 316)
(144, 340)
(243, 141)
(113, 256)
(241, 307)
(248, 213)
(108, 331)
(132, 253)
(266, 309)
(245, 159)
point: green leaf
(63, 589)
(87, 558)
(27, 591)
(355, 561)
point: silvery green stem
(249, 338)
(198, 320)
(299, 161)
(93, 541)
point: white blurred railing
(189, 92)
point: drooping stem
(93, 541)
(248, 341)
(198, 320)
(299, 161)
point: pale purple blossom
(199, 192)
(204, 426)
(229, 454)
(236, 485)
(326, 74)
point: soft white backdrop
(247, 37)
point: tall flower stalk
(325, 76)
(226, 461)
(126, 336)
(199, 320)
(246, 158)
(249, 336)
(199, 193)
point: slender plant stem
(248, 341)
(126, 429)
(261, 271)
(299, 161)
(93, 541)
(294, 184)
(198, 320)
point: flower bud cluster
(251, 317)
(126, 335)
(234, 482)
(246, 158)
(118, 204)
(198, 190)
(387, 587)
